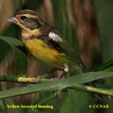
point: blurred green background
(87, 25)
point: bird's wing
(57, 42)
(51, 37)
(54, 39)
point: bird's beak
(12, 19)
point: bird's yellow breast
(43, 52)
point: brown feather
(27, 12)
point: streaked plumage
(42, 40)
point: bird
(46, 44)
(43, 41)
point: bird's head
(27, 20)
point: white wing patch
(55, 37)
(66, 68)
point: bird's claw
(40, 77)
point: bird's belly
(43, 52)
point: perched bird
(43, 41)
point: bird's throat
(30, 35)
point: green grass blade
(107, 66)
(21, 60)
(11, 41)
(58, 84)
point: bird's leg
(64, 72)
(40, 77)
(45, 75)
(58, 74)
(61, 73)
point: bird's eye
(23, 17)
